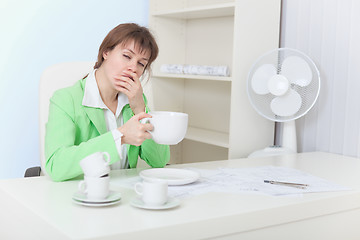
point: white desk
(36, 208)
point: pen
(289, 184)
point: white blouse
(93, 99)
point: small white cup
(96, 164)
(95, 188)
(169, 127)
(154, 193)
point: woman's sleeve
(62, 155)
(155, 155)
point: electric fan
(283, 85)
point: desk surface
(42, 209)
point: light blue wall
(33, 35)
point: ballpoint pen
(288, 184)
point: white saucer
(173, 176)
(82, 199)
(171, 203)
(98, 204)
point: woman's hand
(130, 85)
(134, 132)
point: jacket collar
(95, 114)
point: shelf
(219, 10)
(198, 77)
(212, 33)
(208, 137)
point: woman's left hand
(129, 84)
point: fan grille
(309, 93)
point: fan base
(271, 151)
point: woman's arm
(155, 155)
(69, 138)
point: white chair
(53, 78)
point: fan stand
(289, 143)
(289, 136)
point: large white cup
(169, 127)
(154, 193)
(96, 164)
(95, 188)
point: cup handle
(107, 160)
(82, 187)
(139, 188)
(145, 120)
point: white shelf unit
(205, 11)
(233, 33)
(188, 76)
(209, 137)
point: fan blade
(297, 70)
(286, 105)
(261, 77)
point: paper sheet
(247, 180)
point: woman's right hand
(134, 132)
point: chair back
(53, 78)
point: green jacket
(74, 131)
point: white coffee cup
(96, 164)
(95, 188)
(154, 193)
(169, 127)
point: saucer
(82, 199)
(173, 176)
(95, 204)
(171, 203)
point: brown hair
(124, 33)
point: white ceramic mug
(154, 193)
(169, 127)
(96, 164)
(95, 188)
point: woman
(102, 112)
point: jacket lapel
(127, 113)
(96, 116)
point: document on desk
(246, 180)
(251, 180)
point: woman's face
(124, 61)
